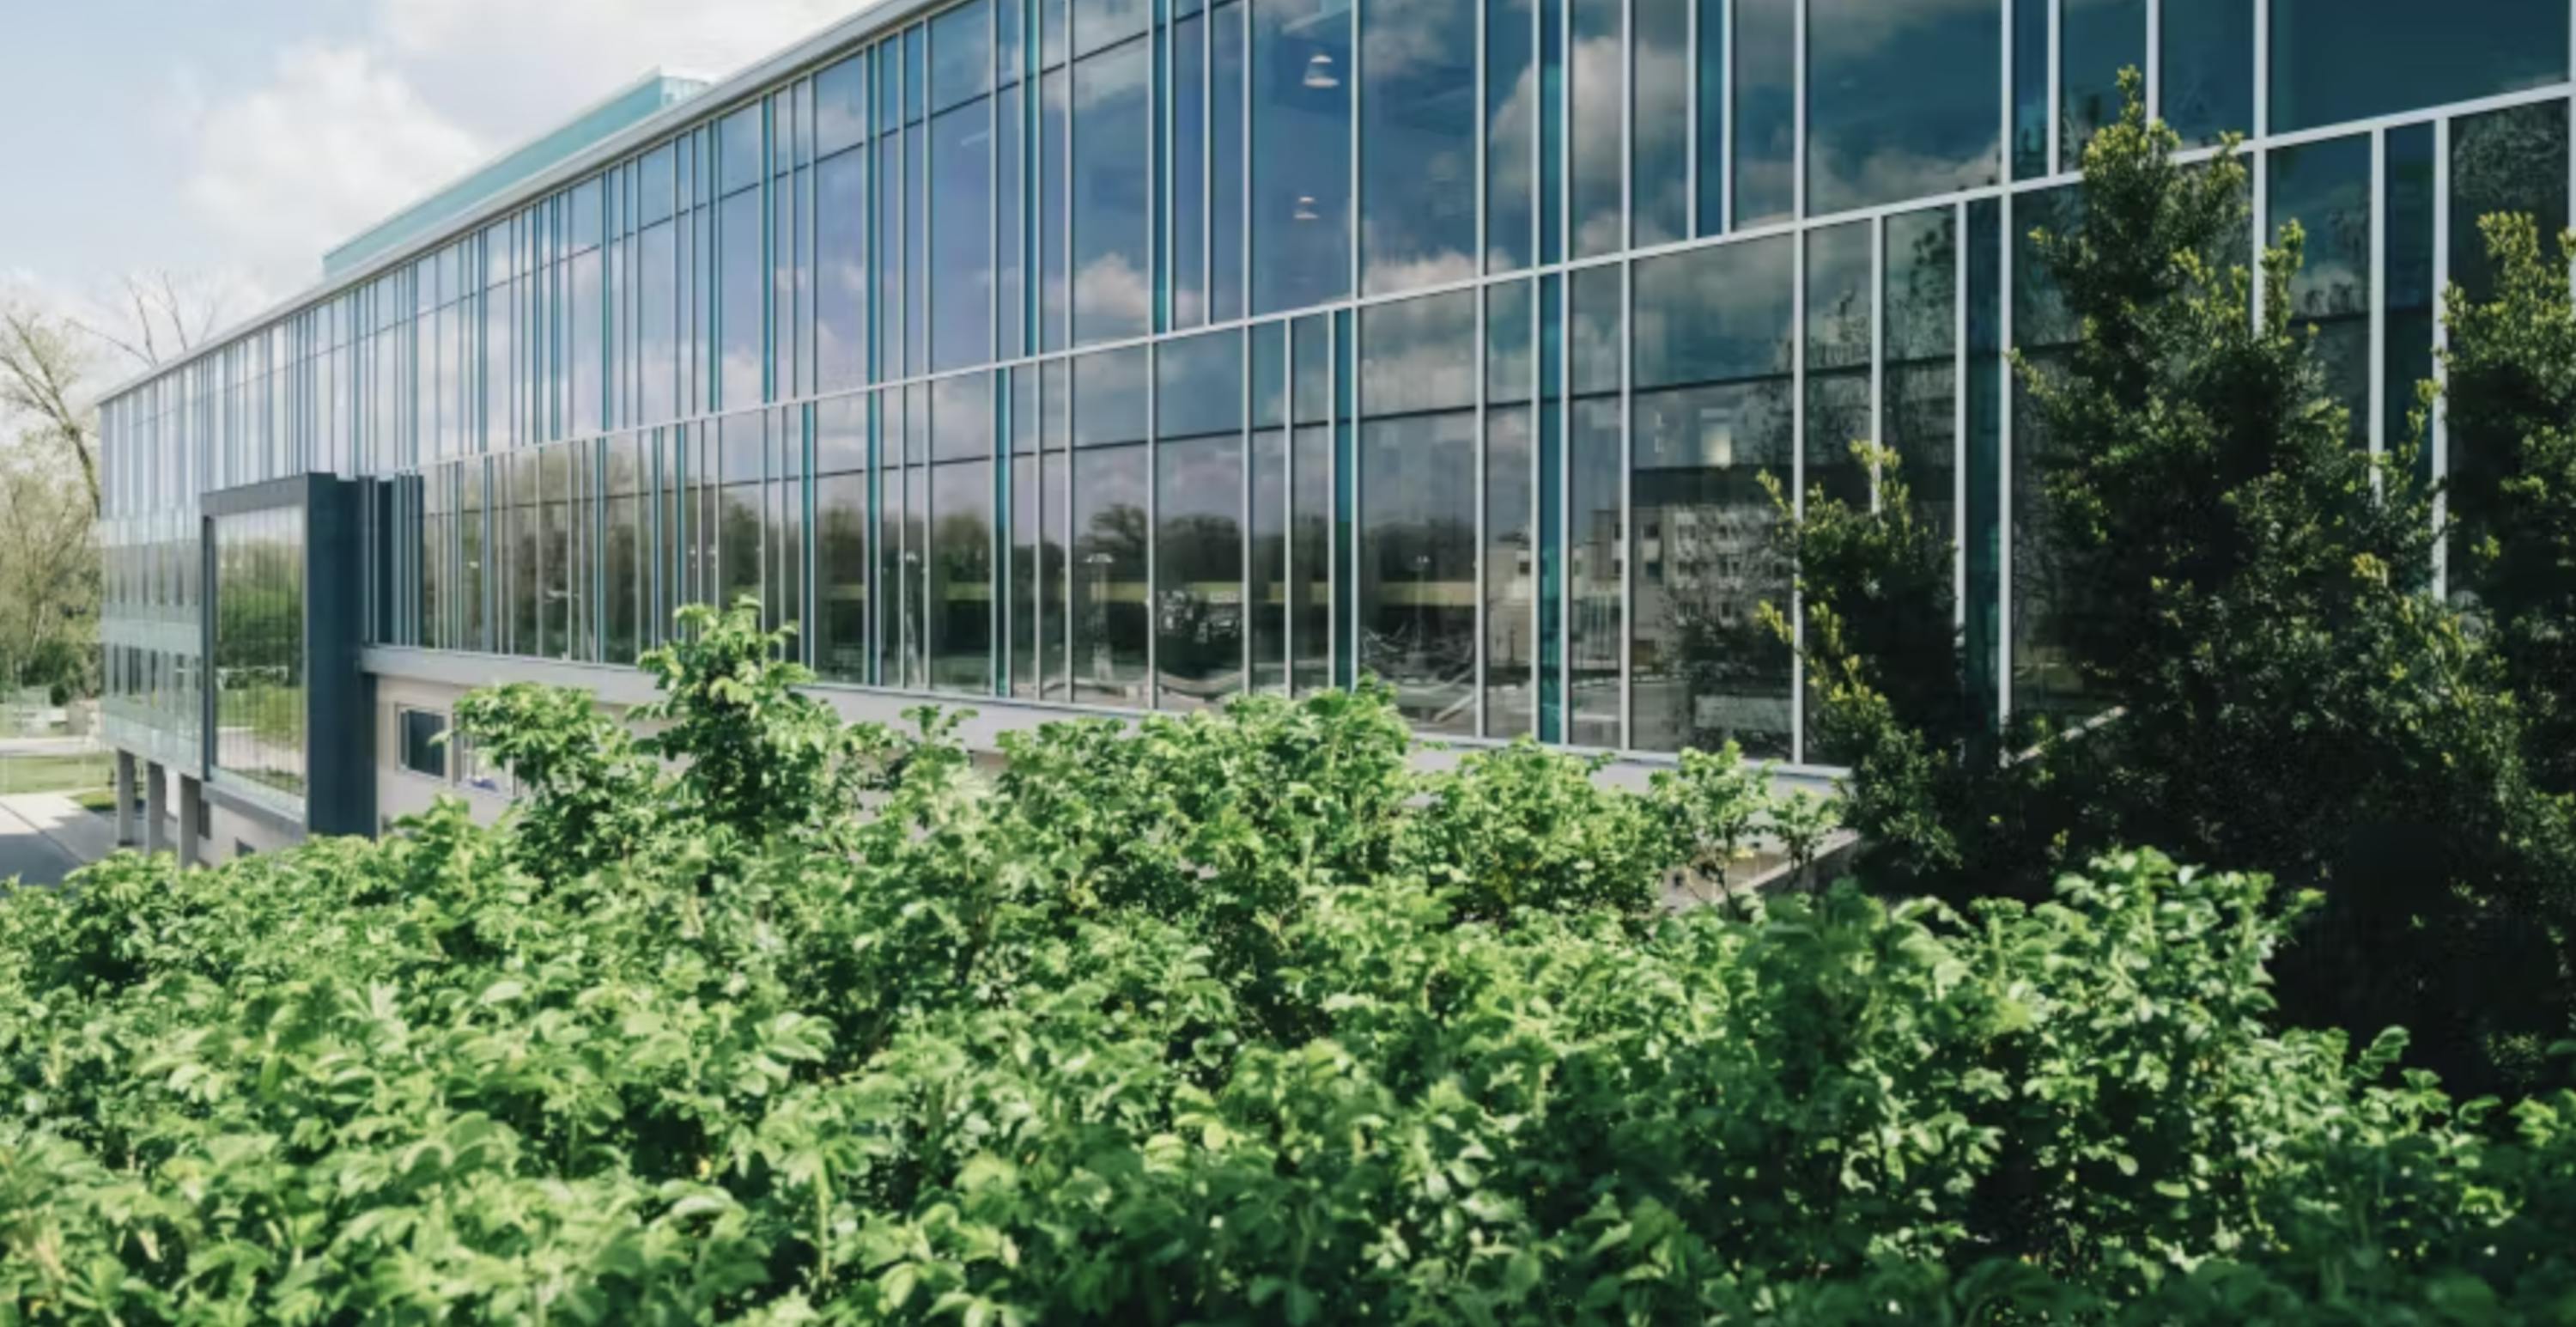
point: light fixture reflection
(1319, 72)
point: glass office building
(1076, 355)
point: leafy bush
(1231, 1018)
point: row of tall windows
(1005, 178)
(1136, 355)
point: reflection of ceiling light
(1306, 209)
(1319, 72)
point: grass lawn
(44, 774)
(101, 800)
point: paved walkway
(46, 836)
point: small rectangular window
(422, 751)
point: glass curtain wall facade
(1109, 354)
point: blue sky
(231, 141)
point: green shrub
(1230, 1018)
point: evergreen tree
(2281, 690)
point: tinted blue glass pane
(916, 247)
(1112, 140)
(1660, 117)
(961, 417)
(1511, 114)
(1594, 525)
(1551, 508)
(1981, 517)
(1198, 562)
(1866, 147)
(1766, 102)
(1712, 115)
(742, 317)
(2325, 189)
(2512, 160)
(2029, 91)
(960, 584)
(1008, 56)
(1052, 46)
(653, 200)
(1838, 360)
(1921, 372)
(1418, 143)
(888, 247)
(738, 154)
(1269, 368)
(1010, 218)
(782, 132)
(1597, 87)
(1102, 23)
(1718, 315)
(916, 73)
(1714, 411)
(840, 105)
(889, 76)
(1510, 647)
(2338, 60)
(2207, 65)
(1108, 609)
(1417, 559)
(2098, 38)
(961, 55)
(1225, 162)
(1266, 612)
(2408, 346)
(1189, 172)
(1200, 384)
(1508, 363)
(1301, 154)
(1109, 398)
(1551, 130)
(1055, 287)
(961, 255)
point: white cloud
(342, 134)
(556, 56)
(334, 142)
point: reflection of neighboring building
(1058, 358)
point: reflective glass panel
(2324, 188)
(1112, 138)
(1920, 422)
(1766, 102)
(2096, 40)
(742, 318)
(1511, 117)
(2336, 60)
(1417, 559)
(1226, 184)
(1714, 411)
(1596, 99)
(1418, 143)
(2407, 345)
(1301, 152)
(961, 237)
(840, 272)
(961, 575)
(2207, 65)
(1198, 553)
(961, 55)
(1900, 100)
(1660, 118)
(1109, 618)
